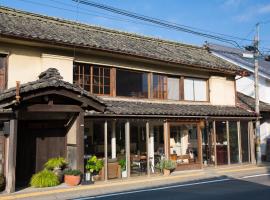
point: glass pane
(184, 144)
(234, 153)
(188, 90)
(106, 89)
(96, 80)
(244, 141)
(106, 81)
(221, 138)
(107, 72)
(96, 71)
(158, 86)
(95, 89)
(131, 84)
(173, 88)
(200, 90)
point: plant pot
(59, 173)
(166, 172)
(124, 174)
(72, 180)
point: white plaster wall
(222, 91)
(64, 65)
(23, 67)
(246, 86)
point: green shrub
(166, 164)
(55, 163)
(94, 165)
(44, 178)
(73, 172)
(122, 163)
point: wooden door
(49, 144)
(37, 142)
(2, 154)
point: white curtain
(188, 89)
(173, 88)
(200, 90)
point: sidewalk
(112, 186)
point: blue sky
(232, 17)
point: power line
(157, 21)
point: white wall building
(245, 85)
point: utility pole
(257, 101)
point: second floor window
(93, 78)
(195, 89)
(131, 83)
(159, 86)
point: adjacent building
(85, 90)
(245, 85)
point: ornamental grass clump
(44, 178)
(54, 163)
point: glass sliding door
(184, 145)
(221, 143)
(244, 141)
(234, 149)
(208, 144)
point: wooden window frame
(195, 78)
(101, 75)
(5, 76)
(162, 91)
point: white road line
(154, 189)
(169, 187)
(253, 176)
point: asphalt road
(223, 188)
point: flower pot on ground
(72, 177)
(166, 166)
(122, 163)
(93, 166)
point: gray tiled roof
(249, 102)
(24, 25)
(170, 109)
(49, 79)
(236, 55)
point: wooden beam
(80, 141)
(69, 94)
(12, 148)
(228, 143)
(127, 144)
(215, 142)
(147, 147)
(239, 142)
(53, 108)
(166, 140)
(199, 138)
(105, 151)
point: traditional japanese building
(86, 90)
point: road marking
(153, 189)
(237, 170)
(93, 187)
(253, 176)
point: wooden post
(215, 142)
(239, 143)
(12, 148)
(253, 158)
(166, 140)
(147, 147)
(80, 142)
(105, 151)
(127, 142)
(113, 140)
(199, 138)
(228, 143)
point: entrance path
(140, 183)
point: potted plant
(122, 163)
(93, 166)
(56, 165)
(166, 166)
(72, 177)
